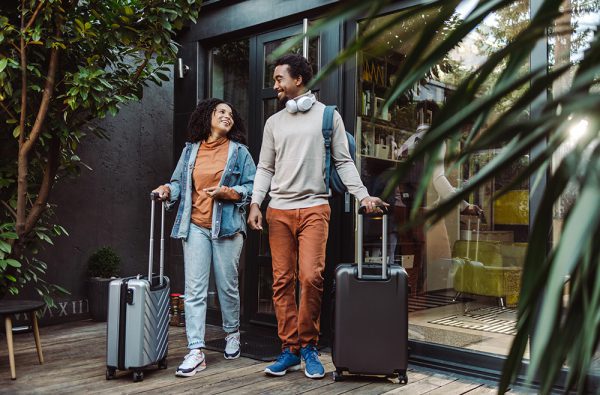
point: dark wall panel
(110, 205)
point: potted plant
(103, 267)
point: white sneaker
(192, 363)
(232, 348)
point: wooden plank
(483, 390)
(455, 387)
(357, 384)
(224, 380)
(427, 383)
(293, 382)
(154, 378)
(334, 388)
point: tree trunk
(25, 221)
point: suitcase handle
(384, 219)
(154, 197)
(362, 210)
(469, 239)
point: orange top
(208, 169)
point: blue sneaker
(287, 360)
(313, 367)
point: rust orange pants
(298, 239)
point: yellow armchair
(489, 268)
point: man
(291, 166)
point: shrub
(105, 262)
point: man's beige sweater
(292, 160)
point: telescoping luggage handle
(469, 238)
(153, 199)
(362, 212)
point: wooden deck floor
(75, 363)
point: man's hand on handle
(164, 192)
(372, 204)
(255, 217)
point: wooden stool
(7, 309)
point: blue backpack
(332, 178)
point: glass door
(464, 272)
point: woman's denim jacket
(228, 216)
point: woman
(213, 181)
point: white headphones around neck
(302, 104)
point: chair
(489, 268)
(7, 309)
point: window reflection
(463, 268)
(270, 47)
(229, 79)
(230, 75)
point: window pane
(269, 67)
(230, 75)
(464, 271)
(229, 81)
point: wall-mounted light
(182, 69)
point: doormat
(487, 319)
(431, 300)
(254, 346)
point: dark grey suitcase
(138, 317)
(370, 325)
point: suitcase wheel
(338, 375)
(403, 378)
(162, 364)
(138, 375)
(110, 373)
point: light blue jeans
(199, 251)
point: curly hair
(298, 66)
(199, 124)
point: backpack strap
(327, 133)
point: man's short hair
(298, 66)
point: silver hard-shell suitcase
(138, 316)
(370, 325)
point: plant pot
(98, 297)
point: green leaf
(61, 289)
(4, 246)
(162, 76)
(79, 24)
(16, 131)
(3, 63)
(12, 262)
(9, 235)
(44, 237)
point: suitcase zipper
(122, 323)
